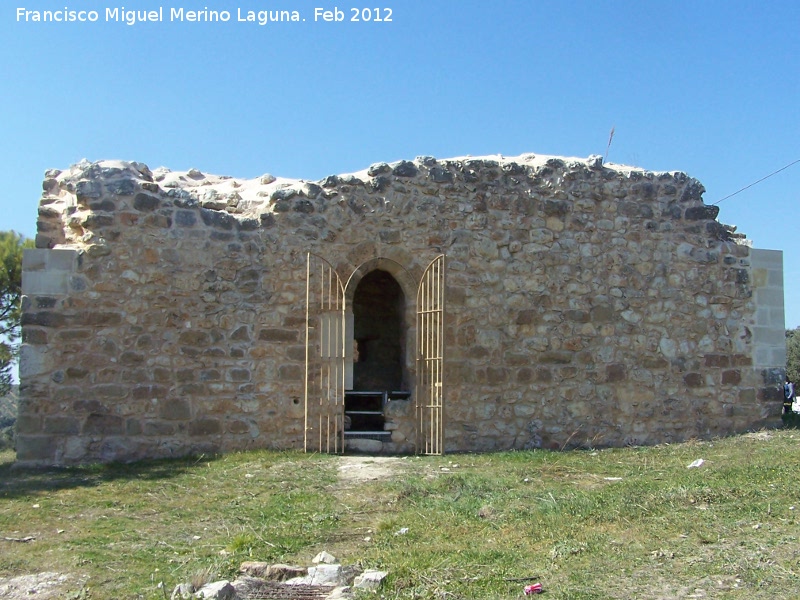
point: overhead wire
(756, 182)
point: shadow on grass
(16, 482)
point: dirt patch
(359, 469)
(43, 586)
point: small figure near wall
(788, 396)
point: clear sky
(708, 87)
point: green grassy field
(618, 523)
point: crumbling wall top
(88, 187)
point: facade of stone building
(469, 304)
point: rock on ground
(42, 586)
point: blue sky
(711, 88)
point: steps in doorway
(381, 436)
(367, 442)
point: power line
(759, 181)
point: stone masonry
(587, 304)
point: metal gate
(325, 356)
(429, 394)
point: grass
(617, 523)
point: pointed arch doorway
(369, 342)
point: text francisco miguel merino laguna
(131, 17)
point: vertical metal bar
(440, 355)
(430, 349)
(324, 417)
(434, 419)
(305, 387)
(342, 366)
(426, 399)
(419, 369)
(325, 428)
(428, 353)
(434, 367)
(325, 306)
(435, 354)
(440, 365)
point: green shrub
(7, 438)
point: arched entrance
(369, 343)
(379, 333)
(379, 366)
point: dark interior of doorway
(379, 339)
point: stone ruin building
(426, 306)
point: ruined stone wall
(587, 304)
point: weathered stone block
(616, 372)
(193, 390)
(133, 427)
(62, 425)
(717, 360)
(200, 427)
(731, 377)
(34, 259)
(238, 427)
(560, 357)
(290, 372)
(28, 424)
(158, 221)
(478, 352)
(210, 375)
(43, 319)
(159, 428)
(45, 282)
(241, 334)
(146, 202)
(496, 375)
(185, 218)
(36, 448)
(602, 313)
(239, 375)
(216, 219)
(32, 361)
(771, 394)
(96, 319)
(654, 362)
(174, 409)
(130, 358)
(578, 316)
(699, 213)
(278, 335)
(694, 380)
(34, 336)
(748, 396)
(98, 424)
(194, 338)
(390, 236)
(405, 169)
(82, 406)
(71, 335)
(527, 317)
(109, 392)
(148, 392)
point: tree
(11, 246)
(793, 354)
